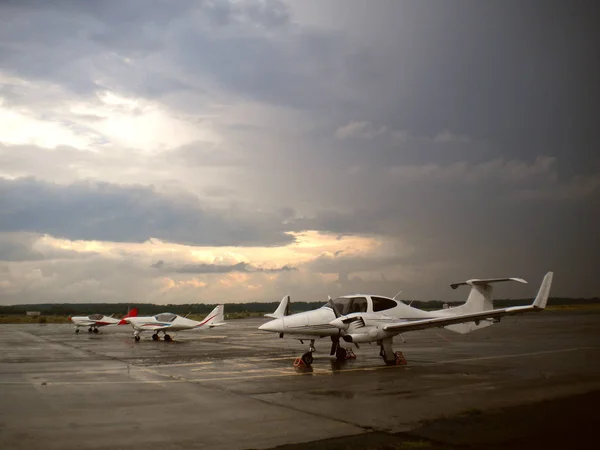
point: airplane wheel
(341, 354)
(386, 361)
(155, 337)
(89, 330)
(137, 338)
(95, 330)
(307, 358)
(167, 338)
(76, 330)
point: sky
(230, 151)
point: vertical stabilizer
(282, 310)
(215, 318)
(480, 299)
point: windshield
(96, 317)
(165, 317)
(347, 305)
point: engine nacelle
(373, 334)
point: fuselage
(95, 320)
(316, 323)
(163, 322)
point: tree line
(149, 309)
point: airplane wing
(157, 326)
(538, 304)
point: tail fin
(130, 313)
(215, 318)
(480, 296)
(282, 310)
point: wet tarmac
(235, 387)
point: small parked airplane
(172, 322)
(96, 321)
(368, 318)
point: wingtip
(544, 292)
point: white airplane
(368, 318)
(95, 321)
(172, 322)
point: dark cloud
(468, 131)
(18, 247)
(205, 268)
(104, 211)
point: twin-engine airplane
(96, 321)
(172, 322)
(368, 318)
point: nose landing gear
(307, 359)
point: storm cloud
(124, 213)
(450, 140)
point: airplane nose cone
(274, 326)
(338, 323)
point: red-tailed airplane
(95, 321)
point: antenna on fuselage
(399, 292)
(411, 302)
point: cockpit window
(382, 303)
(96, 317)
(345, 305)
(165, 317)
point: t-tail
(216, 318)
(480, 299)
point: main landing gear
(341, 353)
(388, 355)
(155, 337)
(90, 329)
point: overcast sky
(227, 151)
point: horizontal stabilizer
(476, 317)
(485, 281)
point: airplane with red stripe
(95, 321)
(169, 322)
